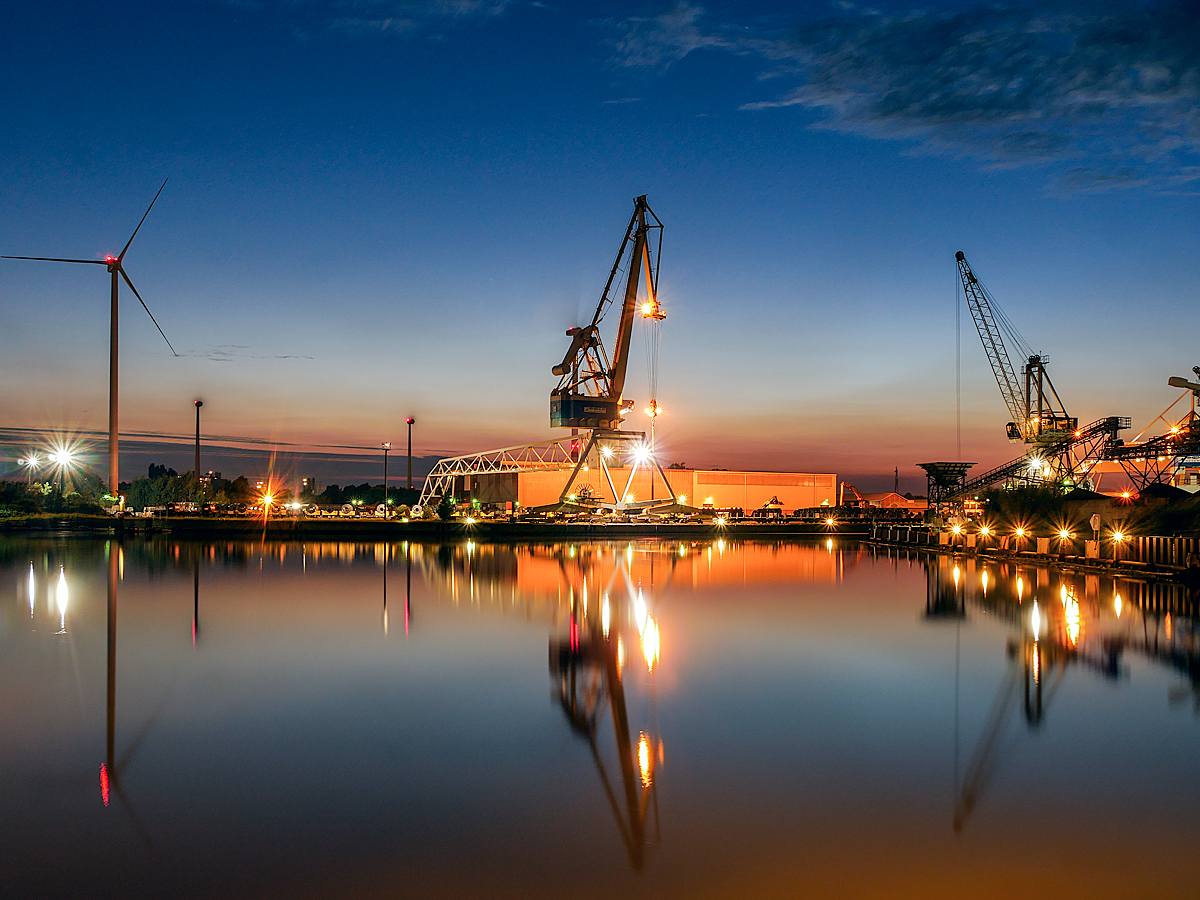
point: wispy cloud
(395, 17)
(231, 352)
(1104, 94)
(620, 101)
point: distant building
(210, 477)
(309, 486)
(717, 488)
(892, 500)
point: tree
(445, 508)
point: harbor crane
(1039, 416)
(589, 391)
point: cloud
(620, 101)
(1104, 94)
(230, 352)
(395, 17)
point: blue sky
(379, 209)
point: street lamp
(411, 421)
(30, 462)
(387, 445)
(199, 403)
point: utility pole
(387, 445)
(897, 487)
(410, 420)
(199, 403)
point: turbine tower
(115, 267)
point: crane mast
(1038, 413)
(589, 390)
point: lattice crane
(589, 390)
(1039, 416)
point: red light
(104, 783)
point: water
(335, 719)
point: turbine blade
(139, 228)
(98, 262)
(147, 309)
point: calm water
(590, 720)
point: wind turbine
(115, 268)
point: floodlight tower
(115, 268)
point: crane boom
(1038, 413)
(589, 390)
(993, 343)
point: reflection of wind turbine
(195, 600)
(115, 267)
(112, 769)
(587, 671)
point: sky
(378, 209)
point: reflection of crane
(1038, 659)
(587, 673)
(1038, 414)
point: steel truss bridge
(572, 453)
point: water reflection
(1047, 640)
(833, 663)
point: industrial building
(716, 488)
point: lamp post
(410, 420)
(199, 403)
(387, 445)
(31, 462)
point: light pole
(199, 403)
(387, 445)
(31, 462)
(410, 420)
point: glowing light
(1063, 534)
(267, 498)
(1073, 622)
(1062, 593)
(650, 644)
(32, 590)
(1035, 621)
(984, 579)
(1124, 495)
(1020, 589)
(470, 520)
(620, 654)
(956, 576)
(61, 596)
(1117, 605)
(605, 615)
(721, 521)
(641, 453)
(1020, 532)
(62, 457)
(683, 549)
(639, 612)
(606, 451)
(682, 498)
(984, 531)
(644, 759)
(647, 308)
(829, 544)
(957, 529)
(104, 783)
(1117, 537)
(1167, 624)
(830, 521)
(708, 501)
